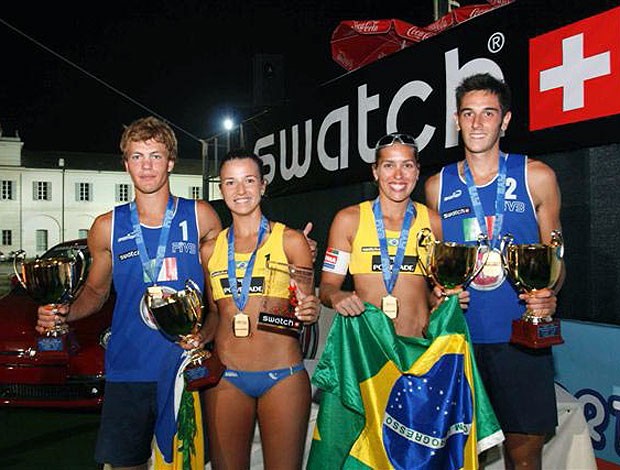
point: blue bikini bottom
(258, 383)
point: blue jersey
(136, 352)
(494, 300)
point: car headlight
(104, 338)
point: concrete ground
(47, 440)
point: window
(7, 190)
(122, 192)
(7, 237)
(195, 192)
(83, 233)
(42, 190)
(83, 191)
(41, 241)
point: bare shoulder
(347, 217)
(294, 237)
(431, 191)
(207, 248)
(539, 173)
(296, 247)
(432, 181)
(541, 179)
(209, 224)
(100, 233)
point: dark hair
(240, 154)
(148, 128)
(485, 82)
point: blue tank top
(136, 352)
(494, 300)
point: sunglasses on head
(391, 139)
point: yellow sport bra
(365, 253)
(270, 282)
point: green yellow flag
(395, 402)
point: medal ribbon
(152, 271)
(390, 275)
(241, 299)
(499, 200)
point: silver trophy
(51, 282)
(178, 314)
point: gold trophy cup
(278, 315)
(449, 264)
(51, 282)
(178, 314)
(532, 267)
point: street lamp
(228, 124)
(61, 164)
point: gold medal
(389, 305)
(241, 325)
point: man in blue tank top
(494, 193)
(153, 240)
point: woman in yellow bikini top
(255, 311)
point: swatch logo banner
(575, 72)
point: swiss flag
(575, 72)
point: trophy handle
(557, 241)
(483, 241)
(21, 254)
(80, 254)
(194, 291)
(507, 241)
(424, 240)
(505, 244)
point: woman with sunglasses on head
(265, 380)
(367, 238)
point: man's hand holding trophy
(178, 315)
(449, 265)
(533, 267)
(53, 283)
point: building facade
(50, 197)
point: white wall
(24, 215)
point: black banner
(560, 64)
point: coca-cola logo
(366, 26)
(417, 34)
(477, 11)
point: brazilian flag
(179, 440)
(397, 402)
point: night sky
(189, 62)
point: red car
(72, 378)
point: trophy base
(282, 324)
(52, 343)
(205, 372)
(536, 335)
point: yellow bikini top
(270, 282)
(365, 253)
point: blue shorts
(127, 423)
(519, 382)
(257, 383)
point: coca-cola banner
(562, 64)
